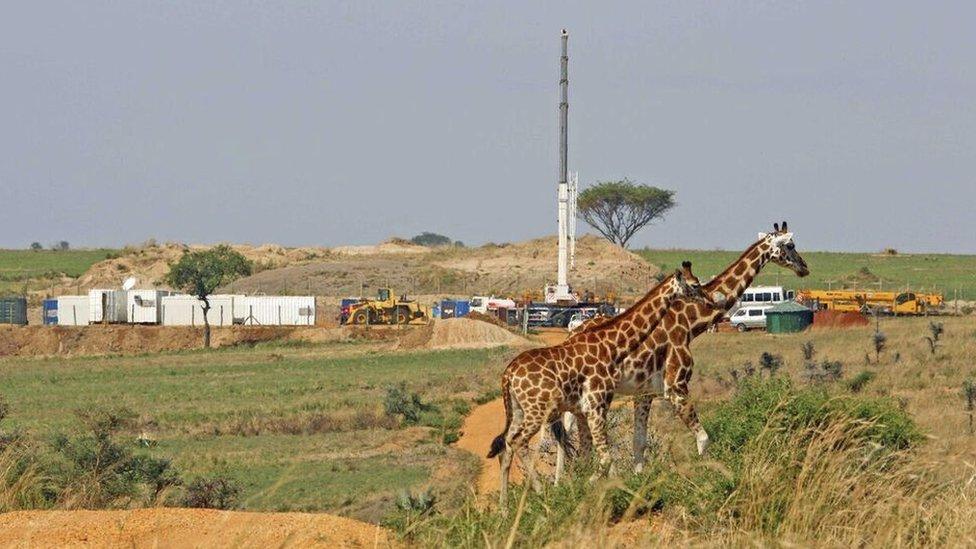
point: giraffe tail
(498, 444)
(559, 434)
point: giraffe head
(783, 250)
(686, 284)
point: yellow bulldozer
(387, 309)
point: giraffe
(662, 363)
(578, 376)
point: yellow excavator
(387, 309)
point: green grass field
(298, 427)
(921, 272)
(27, 268)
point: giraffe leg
(528, 456)
(565, 426)
(596, 419)
(505, 457)
(676, 380)
(642, 410)
(585, 437)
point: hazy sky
(348, 122)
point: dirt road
(485, 422)
(185, 528)
(480, 427)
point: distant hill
(512, 269)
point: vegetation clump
(212, 493)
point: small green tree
(201, 273)
(969, 393)
(618, 209)
(36, 246)
(431, 239)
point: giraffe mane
(711, 284)
(610, 322)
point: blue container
(50, 312)
(447, 308)
(462, 308)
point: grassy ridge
(298, 427)
(921, 272)
(20, 268)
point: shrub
(770, 362)
(879, 340)
(93, 470)
(826, 370)
(399, 402)
(808, 350)
(774, 404)
(860, 381)
(212, 493)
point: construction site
(569, 389)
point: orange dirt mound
(838, 319)
(475, 315)
(460, 333)
(168, 527)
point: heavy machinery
(893, 303)
(387, 309)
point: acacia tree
(618, 209)
(431, 239)
(201, 273)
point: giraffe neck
(627, 330)
(734, 280)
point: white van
(765, 295)
(749, 316)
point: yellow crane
(896, 303)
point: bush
(776, 406)
(399, 402)
(212, 493)
(770, 362)
(94, 470)
(860, 381)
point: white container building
(143, 306)
(114, 303)
(187, 310)
(276, 310)
(73, 310)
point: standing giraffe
(578, 376)
(662, 363)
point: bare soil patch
(838, 319)
(460, 333)
(169, 527)
(134, 339)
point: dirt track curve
(170, 527)
(487, 421)
(480, 427)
